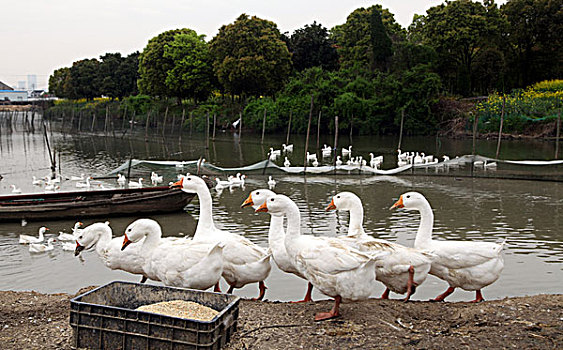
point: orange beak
(179, 183)
(263, 208)
(248, 202)
(78, 249)
(331, 206)
(126, 242)
(398, 204)
(47, 229)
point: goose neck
(152, 237)
(293, 221)
(205, 222)
(276, 232)
(356, 220)
(424, 233)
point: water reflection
(527, 213)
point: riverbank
(34, 320)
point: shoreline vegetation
(35, 320)
(461, 67)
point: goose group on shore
(346, 268)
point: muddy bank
(34, 320)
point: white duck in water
(134, 184)
(402, 270)
(26, 239)
(276, 237)
(467, 265)
(70, 236)
(244, 261)
(335, 269)
(179, 263)
(42, 248)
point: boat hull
(85, 204)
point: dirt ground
(30, 320)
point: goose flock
(343, 267)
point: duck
(179, 263)
(338, 161)
(133, 184)
(347, 151)
(155, 178)
(86, 184)
(276, 238)
(36, 181)
(402, 270)
(462, 264)
(15, 189)
(26, 239)
(68, 246)
(286, 163)
(98, 236)
(77, 178)
(271, 183)
(70, 236)
(41, 248)
(287, 148)
(244, 261)
(335, 269)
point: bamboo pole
(263, 125)
(318, 129)
(173, 122)
(401, 128)
(93, 121)
(191, 122)
(214, 123)
(164, 122)
(475, 123)
(106, 121)
(207, 131)
(307, 138)
(124, 117)
(351, 127)
(500, 128)
(79, 121)
(147, 125)
(288, 128)
(240, 126)
(557, 133)
(335, 142)
(182, 123)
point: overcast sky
(39, 36)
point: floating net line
(464, 166)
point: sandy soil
(32, 320)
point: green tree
(108, 78)
(381, 44)
(310, 46)
(459, 31)
(534, 30)
(192, 73)
(354, 38)
(250, 57)
(154, 67)
(84, 79)
(59, 83)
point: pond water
(528, 213)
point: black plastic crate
(105, 318)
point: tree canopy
(249, 57)
(311, 46)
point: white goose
(402, 270)
(287, 148)
(347, 151)
(338, 161)
(26, 239)
(335, 269)
(276, 237)
(70, 236)
(41, 248)
(326, 151)
(467, 265)
(286, 163)
(121, 179)
(311, 157)
(15, 189)
(36, 181)
(86, 184)
(271, 183)
(155, 178)
(99, 235)
(134, 184)
(178, 263)
(244, 262)
(77, 178)
(222, 183)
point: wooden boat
(99, 203)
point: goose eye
(80, 237)
(408, 196)
(189, 179)
(272, 200)
(337, 196)
(257, 193)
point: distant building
(13, 95)
(4, 86)
(32, 82)
(21, 85)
